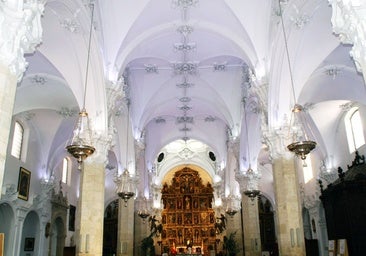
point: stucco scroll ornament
(349, 23)
(20, 32)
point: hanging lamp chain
(89, 50)
(287, 53)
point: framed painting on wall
(29, 244)
(72, 210)
(2, 235)
(24, 183)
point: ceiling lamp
(80, 145)
(303, 146)
(251, 190)
(232, 205)
(125, 185)
(143, 208)
(302, 143)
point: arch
(306, 224)
(57, 240)
(7, 223)
(110, 229)
(30, 234)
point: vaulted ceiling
(187, 67)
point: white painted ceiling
(187, 65)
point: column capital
(248, 180)
(20, 32)
(115, 93)
(277, 141)
(102, 144)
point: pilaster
(20, 32)
(90, 213)
(141, 230)
(290, 232)
(8, 83)
(125, 243)
(252, 237)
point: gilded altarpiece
(188, 218)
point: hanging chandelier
(304, 146)
(232, 205)
(303, 142)
(81, 145)
(125, 187)
(125, 184)
(143, 208)
(251, 187)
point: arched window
(354, 130)
(18, 135)
(66, 171)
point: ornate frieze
(20, 32)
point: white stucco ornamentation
(277, 141)
(349, 22)
(20, 32)
(248, 180)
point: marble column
(20, 33)
(90, 211)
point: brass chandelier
(81, 145)
(125, 187)
(302, 143)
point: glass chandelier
(251, 186)
(81, 145)
(303, 139)
(144, 208)
(125, 184)
(232, 204)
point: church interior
(182, 127)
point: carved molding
(277, 140)
(102, 143)
(348, 22)
(20, 32)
